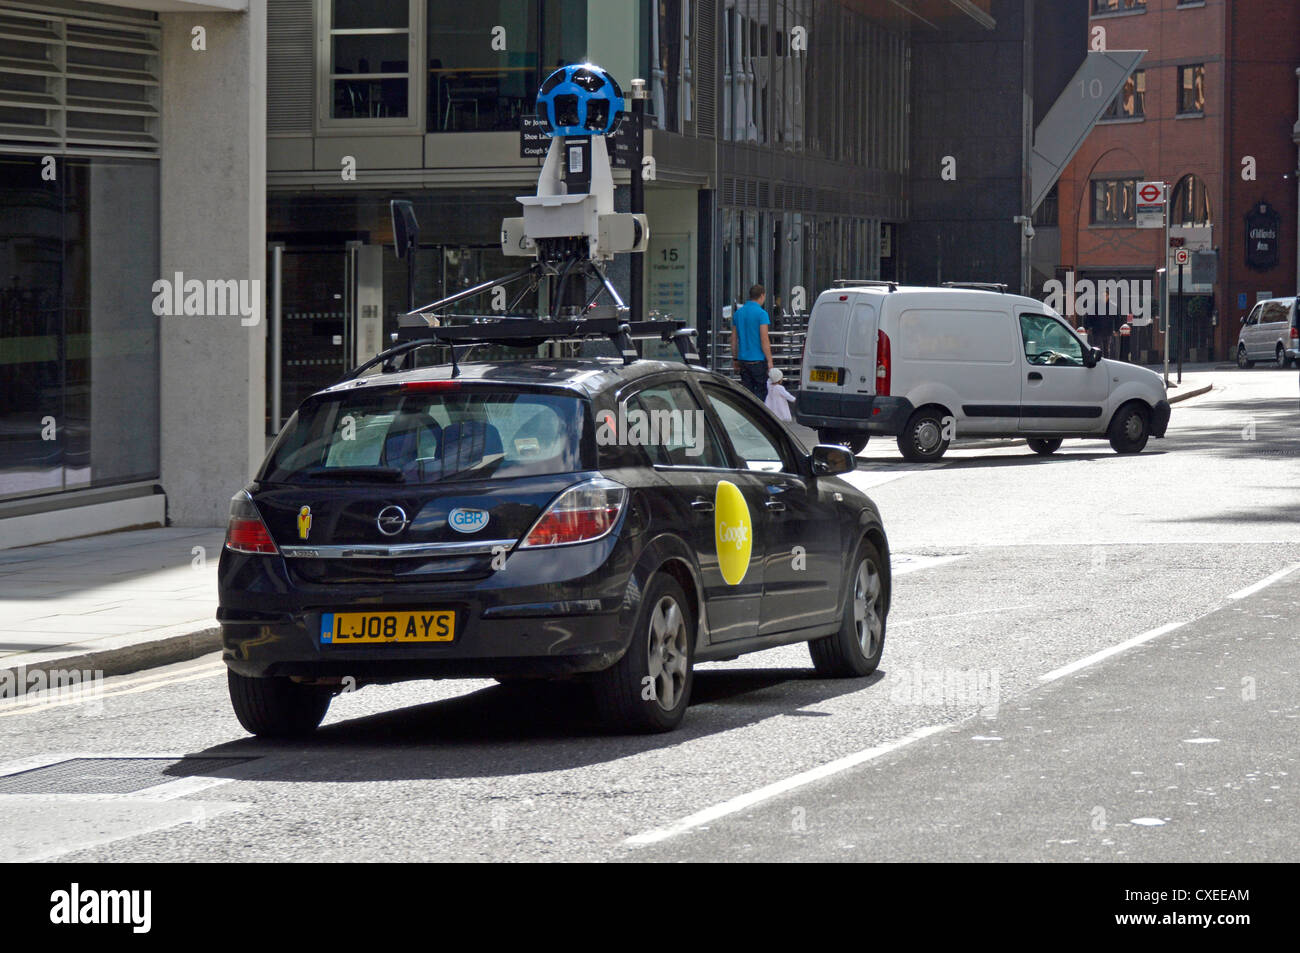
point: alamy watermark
(55, 687)
(947, 688)
(641, 428)
(214, 298)
(1086, 298)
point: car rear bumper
(1160, 418)
(542, 614)
(853, 413)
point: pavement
(114, 603)
(122, 602)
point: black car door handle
(776, 506)
(1035, 376)
(702, 506)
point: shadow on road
(523, 728)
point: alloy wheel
(668, 652)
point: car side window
(757, 445)
(1048, 342)
(1254, 316)
(669, 423)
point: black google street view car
(613, 520)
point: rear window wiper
(379, 474)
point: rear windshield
(421, 437)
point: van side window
(1254, 315)
(1048, 342)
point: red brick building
(1210, 111)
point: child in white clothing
(778, 398)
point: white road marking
(900, 564)
(1164, 629)
(780, 787)
(1107, 653)
(1264, 583)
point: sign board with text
(671, 276)
(1151, 205)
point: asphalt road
(979, 738)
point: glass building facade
(79, 252)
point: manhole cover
(111, 775)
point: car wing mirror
(1092, 357)
(829, 460)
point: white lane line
(1264, 583)
(1165, 629)
(1113, 650)
(780, 787)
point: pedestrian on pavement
(778, 398)
(750, 348)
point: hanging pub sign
(1263, 230)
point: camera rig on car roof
(570, 231)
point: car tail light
(884, 364)
(1295, 333)
(580, 514)
(246, 533)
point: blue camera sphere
(580, 100)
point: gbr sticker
(732, 532)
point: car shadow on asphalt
(522, 728)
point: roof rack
(866, 283)
(977, 286)
(532, 331)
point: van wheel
(922, 440)
(648, 689)
(1242, 360)
(277, 707)
(1044, 448)
(856, 442)
(1130, 429)
(1282, 360)
(854, 651)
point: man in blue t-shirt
(750, 348)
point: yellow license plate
(374, 628)
(824, 375)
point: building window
(1190, 203)
(672, 83)
(487, 60)
(1113, 202)
(1117, 6)
(367, 56)
(78, 338)
(1191, 90)
(1048, 214)
(1131, 102)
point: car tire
(922, 440)
(1242, 361)
(1283, 362)
(1130, 429)
(1044, 448)
(854, 651)
(661, 655)
(277, 707)
(854, 441)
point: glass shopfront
(78, 338)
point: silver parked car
(1270, 333)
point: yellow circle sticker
(732, 532)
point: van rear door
(825, 370)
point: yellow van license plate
(371, 628)
(824, 375)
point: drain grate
(111, 775)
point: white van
(928, 365)
(1270, 333)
